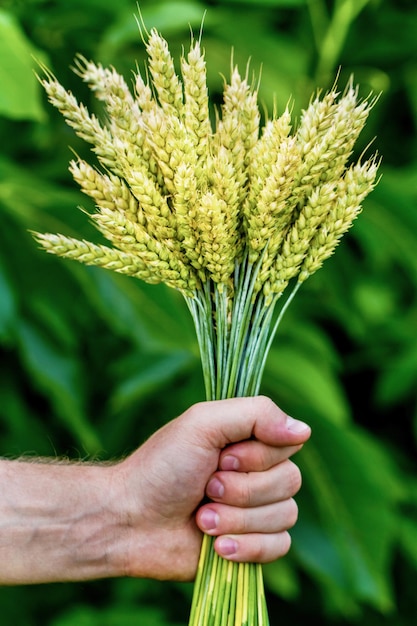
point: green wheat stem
(222, 333)
(238, 325)
(270, 338)
(202, 576)
(223, 591)
(257, 357)
(259, 329)
(211, 597)
(246, 594)
(201, 314)
(241, 324)
(230, 578)
(252, 598)
(263, 618)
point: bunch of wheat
(228, 213)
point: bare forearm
(57, 522)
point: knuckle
(295, 478)
(265, 457)
(258, 552)
(193, 412)
(264, 404)
(238, 490)
(246, 495)
(285, 543)
(268, 548)
(292, 515)
(243, 524)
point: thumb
(221, 422)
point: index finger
(254, 456)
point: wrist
(153, 541)
(96, 528)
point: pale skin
(144, 516)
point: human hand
(144, 516)
(236, 452)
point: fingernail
(227, 546)
(209, 519)
(215, 489)
(229, 462)
(296, 426)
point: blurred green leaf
(8, 304)
(35, 202)
(143, 374)
(387, 229)
(152, 315)
(22, 433)
(398, 377)
(59, 376)
(281, 578)
(407, 533)
(374, 300)
(170, 18)
(267, 3)
(356, 490)
(115, 616)
(279, 61)
(300, 379)
(173, 15)
(20, 93)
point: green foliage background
(92, 362)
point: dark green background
(91, 362)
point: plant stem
(235, 336)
